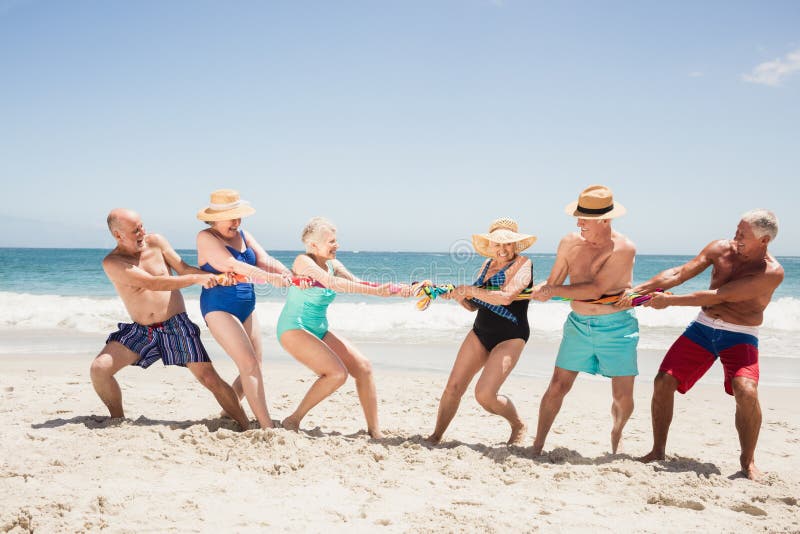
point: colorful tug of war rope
(428, 292)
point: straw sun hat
(502, 230)
(595, 202)
(225, 205)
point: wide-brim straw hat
(595, 202)
(502, 230)
(225, 205)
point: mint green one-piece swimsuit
(306, 309)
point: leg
(317, 356)
(253, 329)
(748, 422)
(207, 375)
(111, 359)
(661, 407)
(360, 368)
(231, 336)
(550, 404)
(621, 407)
(471, 357)
(501, 361)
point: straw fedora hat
(502, 230)
(225, 205)
(595, 202)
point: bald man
(140, 267)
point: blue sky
(410, 124)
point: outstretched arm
(215, 254)
(122, 272)
(519, 281)
(604, 281)
(264, 261)
(677, 275)
(558, 273)
(305, 266)
(742, 289)
(171, 257)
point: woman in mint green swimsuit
(303, 326)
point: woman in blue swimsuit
(229, 311)
(303, 326)
(500, 331)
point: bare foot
(752, 472)
(517, 434)
(375, 434)
(651, 456)
(433, 439)
(290, 424)
(537, 449)
(616, 436)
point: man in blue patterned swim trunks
(597, 339)
(140, 269)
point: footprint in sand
(669, 501)
(748, 509)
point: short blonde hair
(763, 222)
(312, 233)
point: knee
(744, 390)
(558, 388)
(338, 377)
(664, 384)
(485, 398)
(454, 389)
(623, 402)
(209, 379)
(101, 367)
(362, 369)
(251, 366)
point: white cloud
(773, 72)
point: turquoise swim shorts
(600, 344)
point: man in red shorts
(743, 278)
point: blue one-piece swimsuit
(238, 300)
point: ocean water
(66, 290)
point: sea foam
(391, 321)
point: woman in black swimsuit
(500, 330)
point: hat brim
(572, 211)
(482, 242)
(209, 215)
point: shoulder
(302, 260)
(205, 235)
(774, 268)
(570, 240)
(623, 243)
(115, 263)
(156, 240)
(111, 258)
(717, 249)
(249, 237)
(524, 261)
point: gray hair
(763, 222)
(314, 229)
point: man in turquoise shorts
(597, 339)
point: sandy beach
(173, 465)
